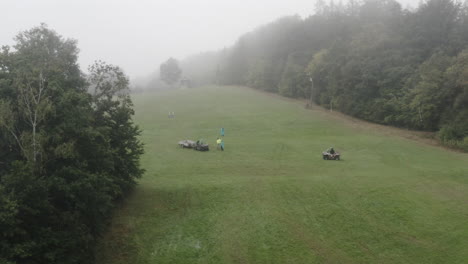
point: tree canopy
(170, 71)
(67, 154)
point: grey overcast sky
(138, 35)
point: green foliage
(67, 155)
(428, 97)
(113, 112)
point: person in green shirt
(218, 143)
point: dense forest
(371, 59)
(69, 149)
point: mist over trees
(69, 149)
(170, 71)
(370, 59)
(203, 68)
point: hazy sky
(138, 35)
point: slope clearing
(270, 198)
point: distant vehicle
(329, 156)
(187, 143)
(196, 145)
(202, 147)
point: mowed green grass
(270, 198)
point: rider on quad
(331, 154)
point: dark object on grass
(201, 147)
(329, 156)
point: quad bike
(328, 156)
(201, 147)
(187, 143)
(196, 145)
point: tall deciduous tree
(40, 64)
(113, 111)
(67, 154)
(170, 71)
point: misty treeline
(69, 149)
(168, 76)
(170, 72)
(370, 59)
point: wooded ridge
(370, 59)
